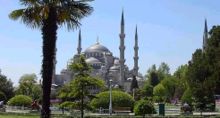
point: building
(105, 65)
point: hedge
(20, 100)
(119, 99)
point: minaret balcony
(122, 36)
(136, 57)
(122, 47)
(136, 48)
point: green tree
(28, 86)
(152, 76)
(143, 107)
(155, 75)
(6, 87)
(163, 71)
(80, 86)
(64, 91)
(181, 80)
(200, 82)
(48, 15)
(154, 80)
(153, 68)
(2, 96)
(119, 99)
(170, 85)
(160, 93)
(213, 54)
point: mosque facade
(105, 65)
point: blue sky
(169, 31)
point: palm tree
(48, 15)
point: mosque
(105, 65)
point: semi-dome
(92, 60)
(97, 48)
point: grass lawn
(11, 115)
(18, 116)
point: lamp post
(110, 97)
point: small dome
(115, 67)
(92, 60)
(97, 48)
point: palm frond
(70, 12)
(30, 3)
(16, 14)
(29, 16)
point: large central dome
(96, 48)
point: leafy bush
(119, 99)
(147, 90)
(68, 105)
(20, 100)
(159, 93)
(143, 107)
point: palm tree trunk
(49, 52)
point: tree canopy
(170, 84)
(6, 87)
(181, 80)
(154, 75)
(200, 82)
(163, 71)
(212, 52)
(28, 86)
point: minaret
(122, 49)
(79, 48)
(135, 70)
(205, 36)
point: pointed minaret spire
(135, 70)
(136, 35)
(122, 22)
(79, 48)
(97, 40)
(205, 35)
(122, 50)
